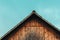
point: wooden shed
(33, 27)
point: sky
(14, 11)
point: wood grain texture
(36, 27)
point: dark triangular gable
(33, 15)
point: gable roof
(33, 15)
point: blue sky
(14, 11)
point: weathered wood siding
(37, 28)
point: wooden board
(34, 30)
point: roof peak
(33, 11)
